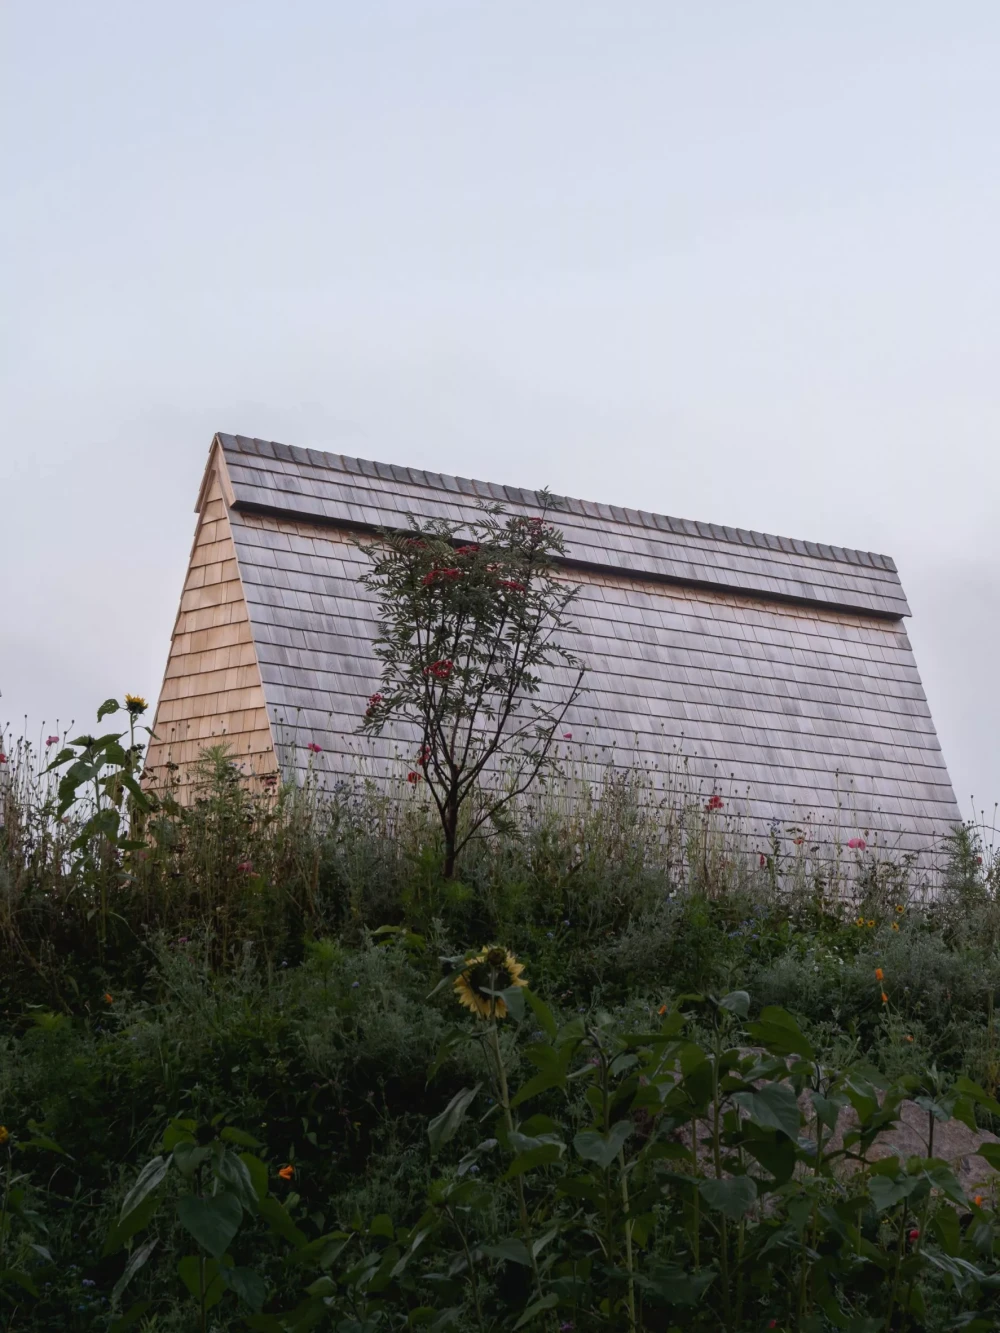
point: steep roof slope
(779, 669)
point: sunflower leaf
(446, 1125)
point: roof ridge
(439, 481)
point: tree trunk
(449, 822)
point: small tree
(469, 629)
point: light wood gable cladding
(212, 692)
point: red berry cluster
(373, 702)
(441, 669)
(434, 574)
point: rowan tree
(472, 639)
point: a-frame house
(779, 668)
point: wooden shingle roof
(780, 669)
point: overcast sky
(727, 261)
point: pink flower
(763, 860)
(51, 740)
(246, 867)
(715, 802)
(567, 735)
(3, 757)
(857, 844)
(313, 748)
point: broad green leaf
(536, 1308)
(382, 1226)
(213, 1222)
(276, 1216)
(968, 1088)
(22, 1279)
(827, 1110)
(544, 1155)
(733, 1197)
(513, 998)
(446, 1125)
(239, 1137)
(777, 1156)
(602, 1148)
(137, 1220)
(778, 1031)
(139, 1205)
(108, 706)
(189, 1156)
(948, 1230)
(249, 1286)
(886, 1191)
(131, 1316)
(512, 1251)
(136, 1261)
(774, 1106)
(258, 1174)
(193, 1270)
(149, 1178)
(543, 1014)
(232, 1171)
(736, 1002)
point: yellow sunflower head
(135, 704)
(489, 971)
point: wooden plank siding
(212, 692)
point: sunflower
(490, 971)
(135, 704)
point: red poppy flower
(414, 777)
(3, 757)
(715, 802)
(914, 1234)
(424, 757)
(857, 844)
(763, 860)
(313, 748)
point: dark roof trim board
(361, 496)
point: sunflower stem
(509, 1118)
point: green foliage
(230, 1101)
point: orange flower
(978, 1201)
(885, 998)
(107, 998)
(908, 1038)
(287, 1172)
(879, 974)
(662, 1010)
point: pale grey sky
(724, 260)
